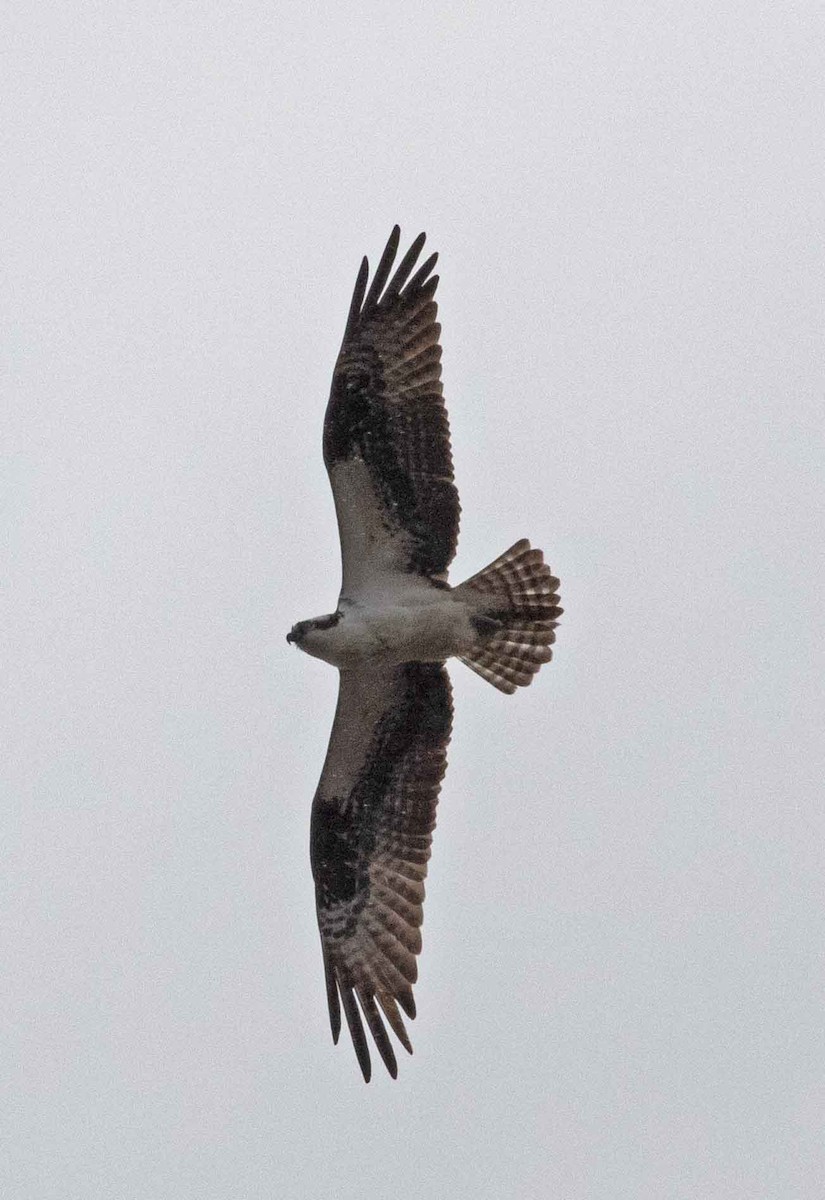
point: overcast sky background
(621, 990)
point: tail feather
(515, 610)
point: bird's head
(308, 635)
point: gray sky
(622, 977)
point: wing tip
(357, 297)
(383, 289)
(356, 1029)
(382, 272)
(421, 279)
(356, 1000)
(333, 1002)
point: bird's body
(387, 452)
(415, 622)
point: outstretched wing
(386, 434)
(372, 822)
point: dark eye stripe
(327, 622)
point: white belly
(418, 626)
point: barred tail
(515, 605)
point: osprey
(387, 453)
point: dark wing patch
(372, 823)
(386, 408)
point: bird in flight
(387, 453)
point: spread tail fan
(516, 611)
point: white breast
(418, 623)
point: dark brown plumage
(386, 406)
(370, 845)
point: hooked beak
(290, 637)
